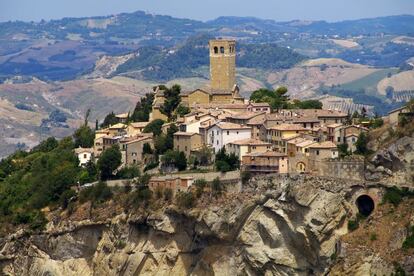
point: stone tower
(222, 64)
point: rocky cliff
(276, 226)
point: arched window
(222, 50)
(216, 50)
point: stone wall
(352, 168)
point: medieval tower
(222, 64)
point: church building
(223, 88)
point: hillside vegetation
(157, 63)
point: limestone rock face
(283, 226)
(396, 162)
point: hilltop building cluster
(265, 141)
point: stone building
(222, 64)
(222, 133)
(265, 162)
(132, 148)
(187, 142)
(242, 147)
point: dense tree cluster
(33, 180)
(172, 100)
(226, 162)
(174, 159)
(278, 99)
(143, 109)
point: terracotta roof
(82, 150)
(267, 154)
(259, 104)
(313, 113)
(246, 115)
(181, 133)
(334, 125)
(226, 125)
(130, 140)
(221, 106)
(324, 145)
(250, 141)
(305, 143)
(139, 124)
(118, 126)
(292, 127)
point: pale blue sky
(280, 10)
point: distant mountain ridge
(68, 48)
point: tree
(109, 120)
(109, 161)
(308, 104)
(155, 127)
(146, 149)
(47, 145)
(84, 137)
(377, 122)
(172, 100)
(343, 150)
(170, 136)
(410, 105)
(182, 110)
(205, 155)
(143, 109)
(185, 200)
(277, 99)
(216, 186)
(226, 162)
(362, 144)
(176, 159)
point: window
(134, 161)
(339, 139)
(217, 142)
(185, 148)
(228, 132)
(353, 140)
(84, 155)
(216, 50)
(217, 132)
(222, 50)
(237, 132)
(317, 152)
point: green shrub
(128, 172)
(200, 184)
(353, 225)
(97, 194)
(150, 166)
(395, 195)
(158, 193)
(168, 194)
(216, 186)
(142, 195)
(65, 198)
(35, 219)
(409, 241)
(185, 200)
(373, 237)
(245, 176)
(398, 270)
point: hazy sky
(281, 10)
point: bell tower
(222, 64)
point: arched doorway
(365, 205)
(300, 167)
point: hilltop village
(216, 129)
